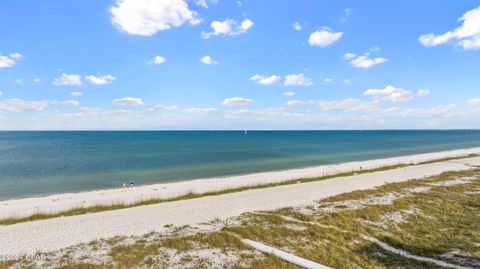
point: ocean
(34, 163)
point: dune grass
(445, 219)
(100, 208)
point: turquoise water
(39, 163)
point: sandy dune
(54, 234)
(61, 202)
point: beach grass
(436, 217)
(100, 208)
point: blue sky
(203, 64)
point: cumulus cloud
(467, 35)
(237, 101)
(10, 60)
(297, 80)
(128, 101)
(19, 105)
(297, 26)
(390, 93)
(265, 80)
(228, 27)
(147, 17)
(324, 37)
(76, 94)
(348, 105)
(423, 92)
(37, 80)
(201, 110)
(99, 80)
(208, 60)
(157, 60)
(363, 61)
(68, 80)
(473, 102)
(288, 94)
(327, 80)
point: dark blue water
(37, 163)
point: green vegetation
(436, 217)
(99, 208)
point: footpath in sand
(54, 234)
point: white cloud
(208, 60)
(10, 60)
(363, 61)
(288, 94)
(68, 80)
(76, 94)
(349, 55)
(295, 103)
(265, 80)
(147, 17)
(70, 102)
(16, 56)
(436, 112)
(324, 37)
(18, 81)
(347, 81)
(157, 60)
(128, 101)
(201, 110)
(237, 101)
(162, 108)
(297, 80)
(65, 102)
(348, 105)
(473, 102)
(19, 105)
(245, 25)
(202, 3)
(467, 35)
(1, 93)
(390, 93)
(423, 92)
(328, 80)
(228, 27)
(100, 80)
(297, 26)
(37, 80)
(347, 13)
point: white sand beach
(62, 202)
(58, 233)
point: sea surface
(44, 162)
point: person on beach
(125, 185)
(131, 183)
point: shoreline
(56, 203)
(61, 232)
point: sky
(218, 64)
